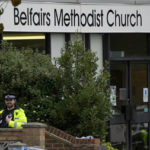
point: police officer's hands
(8, 119)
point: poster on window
(113, 95)
(145, 94)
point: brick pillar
(34, 134)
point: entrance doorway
(129, 59)
(129, 80)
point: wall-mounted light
(23, 36)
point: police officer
(11, 116)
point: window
(31, 40)
(128, 45)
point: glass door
(129, 89)
(139, 99)
(118, 86)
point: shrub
(109, 146)
(69, 95)
(31, 76)
(85, 107)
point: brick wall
(58, 140)
(47, 137)
(10, 134)
(33, 134)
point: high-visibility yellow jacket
(19, 118)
